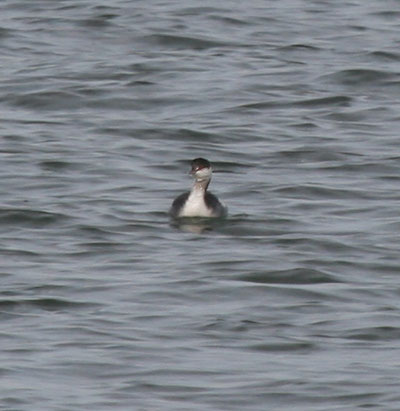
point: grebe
(198, 202)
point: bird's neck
(200, 186)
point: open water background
(293, 303)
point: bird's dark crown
(200, 163)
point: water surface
(292, 303)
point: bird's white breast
(195, 206)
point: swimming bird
(198, 202)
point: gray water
(293, 302)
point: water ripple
(293, 276)
(29, 218)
